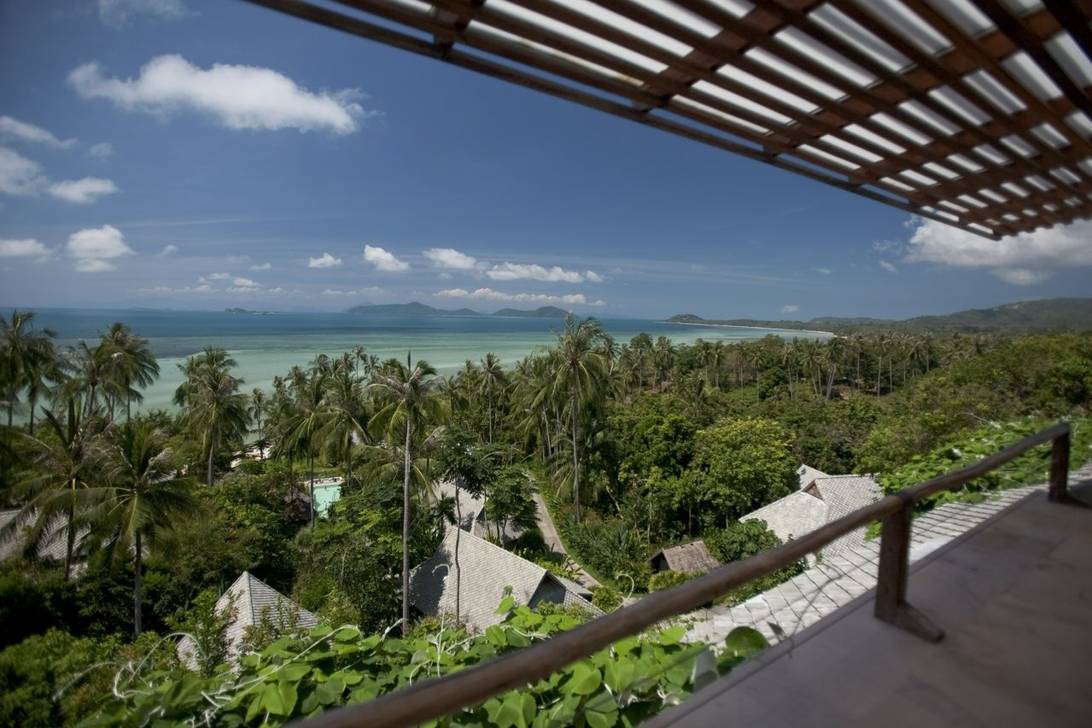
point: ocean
(269, 345)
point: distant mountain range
(1050, 314)
(420, 309)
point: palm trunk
(406, 531)
(311, 467)
(458, 571)
(208, 473)
(138, 585)
(70, 537)
(490, 416)
(576, 463)
(127, 400)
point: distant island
(420, 309)
(247, 311)
(1049, 314)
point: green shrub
(606, 598)
(740, 540)
(666, 579)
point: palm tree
(128, 361)
(215, 409)
(492, 378)
(259, 406)
(144, 498)
(61, 485)
(22, 350)
(345, 416)
(581, 376)
(301, 424)
(408, 393)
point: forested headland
(130, 525)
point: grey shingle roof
(792, 516)
(253, 599)
(806, 475)
(844, 494)
(472, 511)
(693, 556)
(486, 569)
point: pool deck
(1014, 597)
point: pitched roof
(806, 475)
(846, 493)
(252, 600)
(792, 516)
(486, 570)
(472, 512)
(693, 556)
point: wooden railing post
(1059, 468)
(891, 604)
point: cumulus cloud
(22, 177)
(118, 13)
(593, 277)
(19, 176)
(167, 250)
(824, 271)
(25, 248)
(383, 260)
(262, 266)
(215, 277)
(324, 261)
(889, 266)
(1022, 259)
(83, 191)
(790, 308)
(369, 291)
(535, 272)
(240, 282)
(239, 97)
(102, 150)
(202, 288)
(450, 258)
(95, 248)
(22, 131)
(489, 294)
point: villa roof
(792, 516)
(252, 600)
(975, 114)
(487, 570)
(806, 475)
(693, 556)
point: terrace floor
(1014, 596)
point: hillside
(1051, 314)
(551, 312)
(409, 309)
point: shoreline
(741, 326)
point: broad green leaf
(507, 605)
(585, 680)
(744, 642)
(672, 635)
(294, 671)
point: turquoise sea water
(269, 345)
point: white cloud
(203, 288)
(118, 13)
(324, 261)
(1022, 259)
(535, 272)
(262, 266)
(167, 250)
(383, 260)
(593, 277)
(888, 266)
(26, 248)
(240, 282)
(790, 308)
(102, 150)
(489, 294)
(215, 277)
(450, 258)
(239, 97)
(14, 129)
(824, 271)
(94, 248)
(19, 176)
(83, 191)
(369, 291)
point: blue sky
(198, 155)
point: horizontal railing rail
(438, 697)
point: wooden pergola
(975, 113)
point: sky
(202, 155)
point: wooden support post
(1059, 469)
(891, 604)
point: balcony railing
(442, 696)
